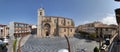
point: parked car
(2, 39)
(1, 42)
(5, 40)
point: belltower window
(71, 30)
(40, 13)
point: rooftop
(58, 17)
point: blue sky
(81, 11)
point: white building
(18, 29)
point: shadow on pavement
(83, 37)
(4, 49)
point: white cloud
(87, 22)
(109, 20)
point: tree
(84, 34)
(96, 49)
(14, 45)
(93, 35)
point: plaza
(56, 43)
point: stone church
(50, 26)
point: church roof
(57, 17)
(66, 26)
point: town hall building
(50, 26)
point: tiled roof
(2, 25)
(20, 23)
(107, 26)
(58, 17)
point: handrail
(68, 43)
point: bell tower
(41, 14)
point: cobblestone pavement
(54, 44)
(10, 46)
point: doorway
(47, 29)
(47, 33)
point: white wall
(11, 29)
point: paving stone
(54, 44)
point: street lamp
(117, 13)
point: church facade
(50, 26)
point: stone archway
(47, 33)
(47, 29)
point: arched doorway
(47, 33)
(47, 29)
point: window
(16, 25)
(62, 22)
(68, 22)
(71, 30)
(106, 29)
(55, 21)
(40, 13)
(64, 30)
(22, 25)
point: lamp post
(99, 32)
(117, 12)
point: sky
(81, 11)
